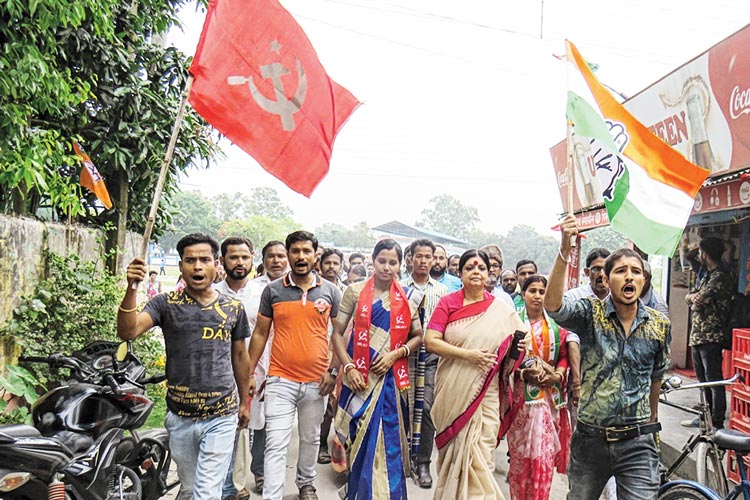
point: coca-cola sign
(739, 102)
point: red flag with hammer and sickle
(259, 82)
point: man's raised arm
(131, 323)
(556, 285)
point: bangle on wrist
(408, 351)
(562, 257)
(348, 366)
(127, 310)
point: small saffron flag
(648, 187)
(90, 178)
(258, 81)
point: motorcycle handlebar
(154, 379)
(112, 383)
(34, 359)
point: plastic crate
(733, 473)
(741, 344)
(727, 366)
(742, 367)
(740, 406)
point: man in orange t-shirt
(299, 306)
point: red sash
(399, 330)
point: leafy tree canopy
(259, 215)
(88, 71)
(338, 235)
(447, 215)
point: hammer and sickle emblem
(402, 373)
(362, 336)
(400, 319)
(365, 308)
(281, 106)
(360, 363)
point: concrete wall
(23, 243)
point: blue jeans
(634, 463)
(257, 450)
(284, 400)
(202, 450)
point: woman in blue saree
(372, 418)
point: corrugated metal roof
(401, 229)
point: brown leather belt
(618, 432)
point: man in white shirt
(237, 258)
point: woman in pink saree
(539, 435)
(472, 332)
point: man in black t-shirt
(207, 365)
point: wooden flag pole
(163, 173)
(569, 173)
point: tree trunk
(116, 236)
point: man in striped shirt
(420, 282)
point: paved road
(328, 481)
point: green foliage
(192, 213)
(338, 235)
(602, 237)
(449, 216)
(524, 242)
(21, 385)
(88, 71)
(260, 216)
(73, 305)
(259, 229)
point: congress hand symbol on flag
(90, 177)
(259, 82)
(648, 187)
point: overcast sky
(465, 97)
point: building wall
(23, 243)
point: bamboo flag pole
(569, 173)
(163, 173)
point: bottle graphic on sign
(702, 153)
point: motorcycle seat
(19, 430)
(76, 443)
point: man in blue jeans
(207, 364)
(624, 354)
(298, 306)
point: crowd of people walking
(423, 350)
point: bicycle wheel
(708, 468)
(683, 493)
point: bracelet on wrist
(127, 310)
(562, 257)
(407, 350)
(348, 366)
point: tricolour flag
(258, 80)
(648, 187)
(90, 178)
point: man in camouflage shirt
(624, 354)
(709, 311)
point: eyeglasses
(496, 266)
(596, 269)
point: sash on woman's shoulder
(452, 430)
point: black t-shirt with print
(198, 340)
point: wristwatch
(333, 372)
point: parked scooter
(84, 444)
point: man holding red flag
(299, 306)
(260, 83)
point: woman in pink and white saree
(473, 333)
